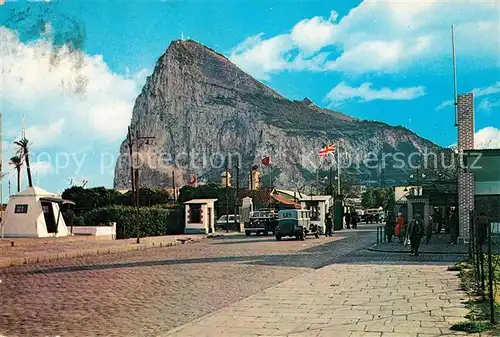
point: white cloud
(487, 138)
(43, 135)
(366, 93)
(381, 36)
(445, 104)
(311, 35)
(41, 168)
(261, 57)
(488, 104)
(67, 96)
(491, 90)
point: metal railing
(484, 253)
(381, 237)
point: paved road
(147, 293)
(345, 301)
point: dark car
(261, 222)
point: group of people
(415, 231)
(351, 219)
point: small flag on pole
(266, 161)
(325, 151)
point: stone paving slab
(345, 300)
(17, 252)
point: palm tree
(23, 152)
(17, 162)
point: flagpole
(338, 168)
(454, 60)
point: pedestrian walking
(428, 232)
(416, 231)
(354, 220)
(436, 222)
(453, 227)
(390, 226)
(348, 220)
(400, 227)
(329, 225)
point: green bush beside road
(153, 221)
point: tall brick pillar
(465, 179)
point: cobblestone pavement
(345, 300)
(150, 292)
(146, 293)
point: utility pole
(135, 177)
(237, 189)
(338, 169)
(132, 176)
(227, 198)
(418, 183)
(173, 186)
(251, 186)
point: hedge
(153, 221)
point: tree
(377, 197)
(23, 152)
(17, 162)
(347, 183)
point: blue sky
(380, 60)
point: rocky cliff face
(200, 107)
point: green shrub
(153, 221)
(471, 327)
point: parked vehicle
(261, 222)
(297, 223)
(372, 215)
(224, 222)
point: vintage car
(261, 222)
(372, 216)
(228, 222)
(297, 223)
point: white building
(200, 218)
(319, 205)
(34, 213)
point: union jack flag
(325, 151)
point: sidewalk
(20, 251)
(345, 300)
(439, 244)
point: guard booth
(319, 205)
(200, 218)
(339, 213)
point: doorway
(50, 221)
(419, 208)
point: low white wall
(101, 231)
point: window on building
(195, 214)
(21, 209)
(314, 208)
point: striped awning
(285, 201)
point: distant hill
(197, 101)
